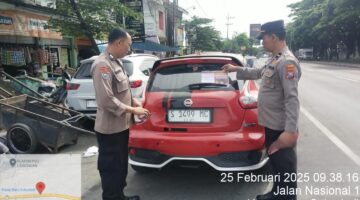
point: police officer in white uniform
(278, 105)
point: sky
(242, 12)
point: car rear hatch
(193, 95)
(81, 94)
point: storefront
(27, 43)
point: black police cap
(271, 27)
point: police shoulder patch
(105, 72)
(290, 71)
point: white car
(81, 93)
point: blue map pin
(12, 162)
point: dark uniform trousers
(282, 162)
(113, 163)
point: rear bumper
(235, 161)
(78, 102)
(225, 151)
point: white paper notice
(207, 77)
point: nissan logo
(188, 102)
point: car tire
(142, 170)
(21, 139)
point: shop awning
(152, 46)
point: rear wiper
(206, 85)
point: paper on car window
(221, 78)
(215, 77)
(207, 77)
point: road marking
(348, 79)
(342, 146)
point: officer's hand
(285, 140)
(229, 68)
(136, 103)
(142, 112)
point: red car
(199, 113)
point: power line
(201, 8)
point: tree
(90, 18)
(240, 43)
(203, 36)
(325, 25)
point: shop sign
(37, 24)
(6, 20)
(26, 24)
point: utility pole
(175, 8)
(228, 18)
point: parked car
(198, 113)
(81, 93)
(250, 61)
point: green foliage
(240, 43)
(328, 26)
(203, 36)
(95, 13)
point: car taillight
(248, 102)
(72, 86)
(135, 84)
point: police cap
(271, 27)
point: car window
(192, 77)
(84, 71)
(146, 65)
(128, 67)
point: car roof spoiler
(233, 58)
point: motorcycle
(60, 94)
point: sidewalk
(338, 64)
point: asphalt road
(328, 150)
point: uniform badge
(105, 72)
(290, 71)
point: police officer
(278, 106)
(115, 110)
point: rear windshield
(84, 70)
(192, 77)
(128, 67)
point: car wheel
(142, 170)
(21, 139)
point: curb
(338, 64)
